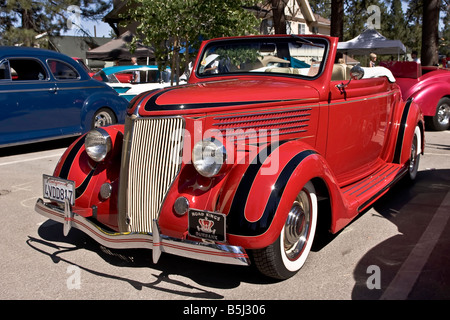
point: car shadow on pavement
(208, 276)
(418, 274)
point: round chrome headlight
(97, 144)
(208, 157)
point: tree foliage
(321, 7)
(22, 20)
(239, 55)
(175, 28)
(399, 19)
(444, 39)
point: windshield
(295, 55)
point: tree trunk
(337, 19)
(27, 25)
(430, 33)
(279, 18)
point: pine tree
(430, 33)
(22, 20)
(396, 28)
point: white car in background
(121, 79)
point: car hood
(226, 94)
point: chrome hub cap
(102, 119)
(443, 114)
(297, 227)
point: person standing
(415, 57)
(136, 74)
(373, 58)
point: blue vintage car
(46, 95)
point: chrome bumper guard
(159, 243)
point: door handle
(53, 90)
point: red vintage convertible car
(429, 87)
(245, 162)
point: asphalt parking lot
(397, 250)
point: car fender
(412, 116)
(89, 176)
(99, 100)
(427, 97)
(261, 202)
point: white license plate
(58, 189)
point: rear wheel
(441, 120)
(285, 257)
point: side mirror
(357, 72)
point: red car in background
(248, 162)
(80, 61)
(428, 86)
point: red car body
(428, 86)
(301, 153)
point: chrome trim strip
(302, 115)
(265, 111)
(38, 140)
(270, 125)
(219, 253)
(123, 178)
(47, 89)
(262, 113)
(260, 136)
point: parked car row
(45, 95)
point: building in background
(300, 19)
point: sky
(75, 22)
(102, 29)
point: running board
(366, 191)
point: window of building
(301, 28)
(288, 27)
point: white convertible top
(376, 72)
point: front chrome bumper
(159, 243)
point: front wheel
(102, 118)
(285, 257)
(416, 149)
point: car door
(70, 95)
(28, 110)
(359, 117)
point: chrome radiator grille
(150, 163)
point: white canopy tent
(370, 40)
